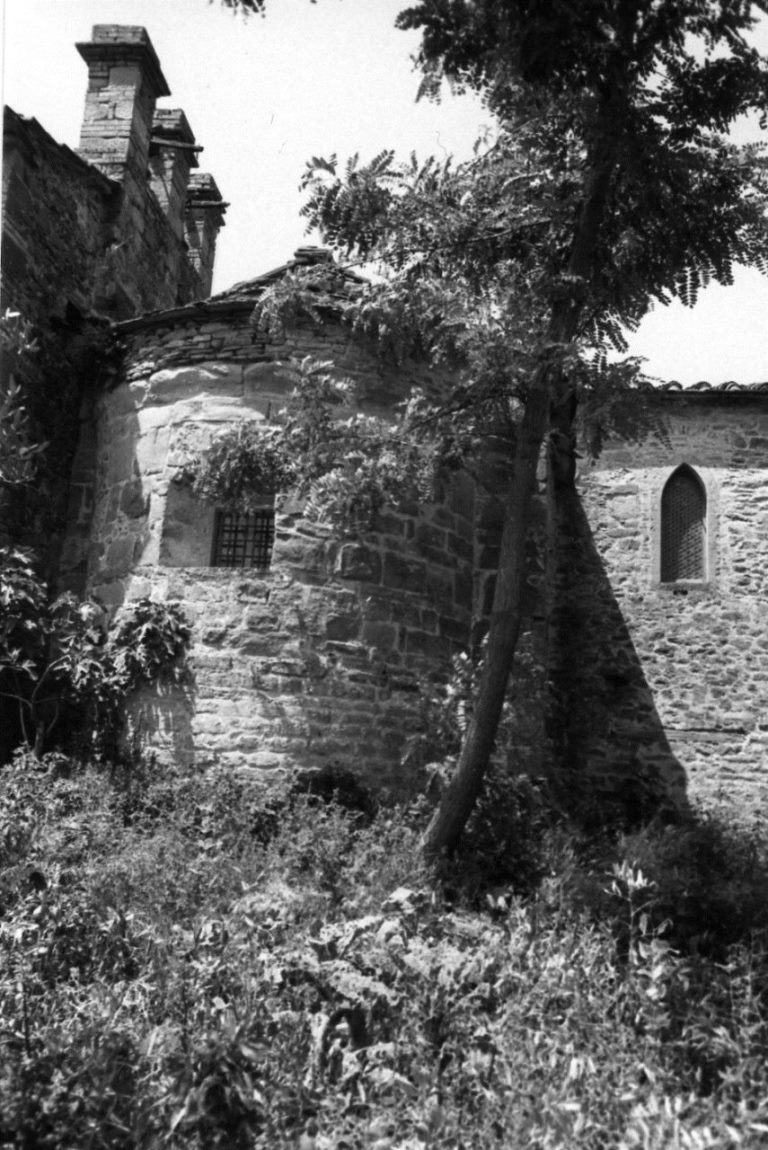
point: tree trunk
(442, 834)
(550, 403)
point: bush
(65, 671)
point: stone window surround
(706, 476)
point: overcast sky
(263, 95)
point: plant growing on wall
(60, 661)
(345, 464)
(240, 466)
(19, 450)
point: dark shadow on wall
(612, 753)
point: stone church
(644, 664)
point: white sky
(263, 95)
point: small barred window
(243, 539)
(683, 527)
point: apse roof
(242, 296)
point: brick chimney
(172, 154)
(124, 81)
(204, 219)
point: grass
(195, 962)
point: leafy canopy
(638, 93)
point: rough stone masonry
(626, 683)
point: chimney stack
(124, 82)
(204, 219)
(172, 154)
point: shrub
(192, 960)
(62, 667)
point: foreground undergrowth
(196, 963)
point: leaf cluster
(20, 448)
(241, 466)
(623, 105)
(61, 664)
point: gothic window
(683, 527)
(243, 539)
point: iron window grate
(683, 511)
(243, 539)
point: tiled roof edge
(241, 297)
(703, 388)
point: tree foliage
(612, 184)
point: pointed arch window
(683, 527)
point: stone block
(432, 646)
(119, 457)
(454, 629)
(404, 574)
(463, 589)
(133, 502)
(171, 384)
(382, 636)
(360, 563)
(120, 553)
(440, 586)
(343, 628)
(432, 537)
(267, 381)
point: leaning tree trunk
(550, 403)
(443, 832)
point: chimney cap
(125, 44)
(172, 122)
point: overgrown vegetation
(196, 962)
(63, 668)
(45, 372)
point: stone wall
(105, 229)
(326, 657)
(624, 686)
(668, 680)
(55, 223)
(88, 237)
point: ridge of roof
(303, 257)
(242, 296)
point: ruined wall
(326, 657)
(668, 679)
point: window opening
(683, 527)
(243, 539)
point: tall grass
(197, 962)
